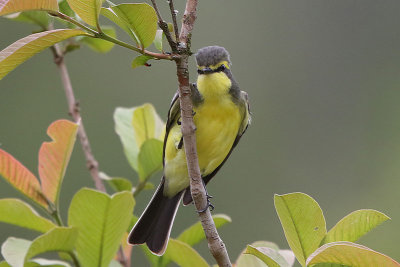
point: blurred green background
(323, 80)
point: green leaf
(21, 178)
(117, 183)
(141, 19)
(14, 251)
(329, 265)
(124, 128)
(154, 260)
(65, 8)
(13, 6)
(36, 17)
(195, 233)
(303, 223)
(17, 212)
(146, 124)
(150, 158)
(288, 255)
(134, 126)
(158, 40)
(140, 61)
(115, 263)
(102, 221)
(52, 263)
(350, 254)
(246, 260)
(184, 255)
(25, 48)
(355, 225)
(4, 264)
(58, 239)
(99, 45)
(269, 256)
(17, 251)
(87, 10)
(110, 14)
(54, 157)
(191, 236)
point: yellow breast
(217, 120)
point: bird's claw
(208, 206)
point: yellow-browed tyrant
(221, 116)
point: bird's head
(212, 59)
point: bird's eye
(222, 67)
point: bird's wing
(246, 119)
(174, 114)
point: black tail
(154, 226)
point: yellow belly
(217, 121)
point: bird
(221, 116)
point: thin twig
(122, 258)
(173, 14)
(215, 244)
(73, 108)
(74, 111)
(164, 26)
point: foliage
(139, 20)
(97, 222)
(305, 229)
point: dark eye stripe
(220, 68)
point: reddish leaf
(18, 52)
(21, 178)
(12, 6)
(54, 156)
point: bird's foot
(208, 206)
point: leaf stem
(102, 35)
(134, 48)
(71, 20)
(56, 215)
(140, 187)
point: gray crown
(211, 55)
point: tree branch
(73, 108)
(215, 244)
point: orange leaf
(12, 6)
(21, 178)
(54, 156)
